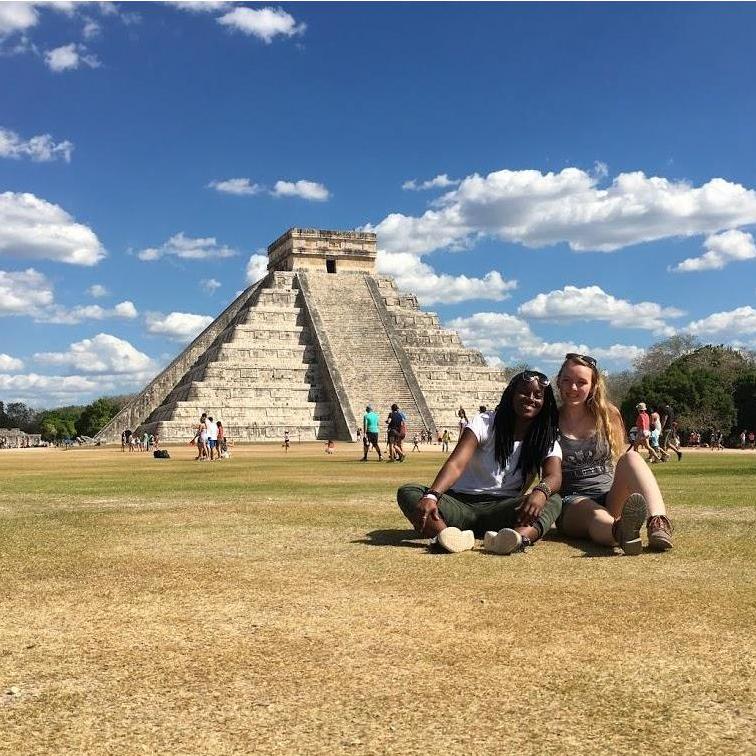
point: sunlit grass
(278, 603)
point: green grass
(280, 604)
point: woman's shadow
(394, 537)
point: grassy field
(278, 603)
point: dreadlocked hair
(610, 430)
(539, 437)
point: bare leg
(631, 475)
(587, 519)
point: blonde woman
(607, 495)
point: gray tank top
(587, 467)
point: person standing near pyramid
(397, 429)
(370, 433)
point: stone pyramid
(305, 350)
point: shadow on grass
(589, 549)
(406, 538)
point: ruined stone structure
(307, 348)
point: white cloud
(49, 390)
(24, 292)
(442, 181)
(309, 190)
(187, 248)
(91, 29)
(202, 6)
(70, 57)
(31, 228)
(738, 321)
(10, 364)
(40, 148)
(179, 326)
(413, 275)
(61, 315)
(263, 23)
(257, 267)
(17, 17)
(593, 303)
(239, 186)
(537, 209)
(492, 332)
(721, 249)
(97, 291)
(104, 353)
(210, 285)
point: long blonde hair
(609, 426)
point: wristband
(544, 488)
(431, 494)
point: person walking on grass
(668, 425)
(607, 495)
(370, 433)
(200, 439)
(445, 438)
(481, 490)
(212, 438)
(286, 442)
(397, 429)
(643, 424)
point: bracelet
(544, 488)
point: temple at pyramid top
(326, 251)
(307, 348)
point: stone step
(177, 432)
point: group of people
(141, 442)
(396, 431)
(210, 439)
(585, 481)
(656, 432)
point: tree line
(62, 422)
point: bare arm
(447, 476)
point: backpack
(161, 454)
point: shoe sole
(659, 543)
(634, 513)
(504, 542)
(455, 540)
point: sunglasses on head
(534, 375)
(584, 357)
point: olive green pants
(477, 512)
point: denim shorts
(600, 499)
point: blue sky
(546, 177)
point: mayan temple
(307, 348)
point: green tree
(658, 357)
(19, 415)
(97, 415)
(59, 423)
(744, 397)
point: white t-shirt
(483, 474)
(212, 430)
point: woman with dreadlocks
(480, 490)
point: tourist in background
(397, 429)
(607, 495)
(668, 428)
(370, 433)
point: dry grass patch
(280, 605)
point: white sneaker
(454, 540)
(504, 542)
